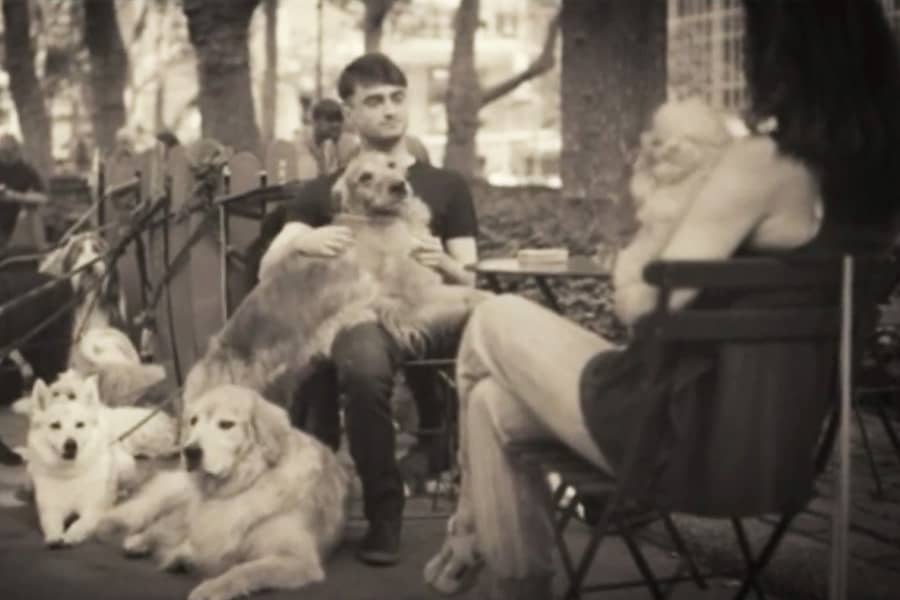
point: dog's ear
(340, 193)
(92, 394)
(55, 262)
(272, 428)
(40, 393)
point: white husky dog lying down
(75, 463)
(302, 302)
(259, 505)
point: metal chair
(681, 467)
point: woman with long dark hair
(821, 178)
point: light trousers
(518, 372)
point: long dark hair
(829, 72)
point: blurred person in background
(325, 147)
(18, 175)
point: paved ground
(28, 571)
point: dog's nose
(398, 189)
(70, 449)
(192, 456)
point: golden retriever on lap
(302, 302)
(260, 505)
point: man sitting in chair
(364, 357)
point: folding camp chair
(680, 467)
(447, 430)
(879, 389)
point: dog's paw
(136, 546)
(214, 589)
(54, 542)
(112, 525)
(75, 535)
(176, 560)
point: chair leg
(683, 551)
(755, 567)
(747, 552)
(867, 448)
(597, 534)
(640, 560)
(889, 427)
(566, 513)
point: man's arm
(463, 251)
(460, 231)
(308, 204)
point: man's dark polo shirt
(445, 192)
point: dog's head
(684, 136)
(233, 434)
(66, 420)
(80, 250)
(373, 185)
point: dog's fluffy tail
(22, 406)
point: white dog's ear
(272, 427)
(340, 193)
(40, 393)
(93, 390)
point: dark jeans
(361, 372)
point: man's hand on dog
(326, 241)
(430, 252)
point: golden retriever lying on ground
(259, 506)
(302, 302)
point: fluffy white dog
(76, 463)
(677, 153)
(259, 504)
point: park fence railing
(190, 217)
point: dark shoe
(381, 544)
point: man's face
(327, 128)
(379, 112)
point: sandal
(455, 568)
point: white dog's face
(65, 421)
(228, 425)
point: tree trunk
(218, 32)
(28, 98)
(613, 76)
(373, 22)
(463, 93)
(108, 71)
(270, 75)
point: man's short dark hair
(373, 68)
(327, 109)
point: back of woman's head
(828, 71)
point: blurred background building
(706, 45)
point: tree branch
(543, 63)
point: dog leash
(170, 399)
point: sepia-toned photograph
(474, 299)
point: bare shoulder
(758, 162)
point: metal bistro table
(493, 269)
